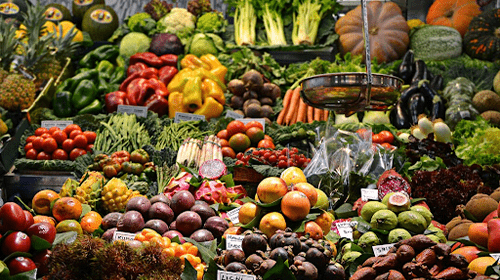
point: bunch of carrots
(295, 110)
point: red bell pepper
(149, 58)
(166, 74)
(136, 68)
(147, 73)
(169, 60)
(157, 104)
(113, 99)
(140, 89)
(158, 86)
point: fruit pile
(280, 158)
(239, 137)
(118, 163)
(54, 143)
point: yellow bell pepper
(220, 72)
(192, 96)
(211, 60)
(210, 109)
(179, 80)
(206, 74)
(192, 61)
(209, 88)
(175, 104)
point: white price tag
(380, 250)
(262, 121)
(123, 236)
(234, 241)
(233, 215)
(140, 111)
(226, 275)
(495, 256)
(179, 116)
(233, 114)
(60, 124)
(369, 194)
(345, 229)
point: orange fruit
(271, 222)
(69, 225)
(235, 127)
(478, 233)
(271, 189)
(469, 252)
(248, 212)
(43, 218)
(91, 221)
(66, 208)
(42, 200)
(325, 221)
(251, 124)
(223, 134)
(295, 205)
(239, 142)
(307, 189)
(228, 152)
(267, 137)
(314, 230)
(480, 264)
(224, 143)
(293, 175)
(255, 134)
(234, 231)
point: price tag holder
(496, 256)
(345, 229)
(262, 121)
(179, 116)
(123, 236)
(369, 194)
(233, 215)
(60, 124)
(233, 241)
(140, 111)
(233, 115)
(380, 250)
(226, 275)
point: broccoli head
(199, 7)
(141, 22)
(211, 22)
(157, 9)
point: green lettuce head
(203, 43)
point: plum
(161, 210)
(160, 198)
(173, 233)
(202, 235)
(204, 211)
(182, 201)
(108, 234)
(110, 220)
(140, 204)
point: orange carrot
(286, 103)
(325, 115)
(317, 114)
(294, 103)
(301, 114)
(310, 114)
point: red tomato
(388, 146)
(49, 145)
(41, 130)
(37, 143)
(80, 141)
(264, 143)
(31, 154)
(386, 136)
(46, 135)
(60, 154)
(89, 147)
(90, 135)
(68, 145)
(74, 133)
(43, 156)
(70, 128)
(28, 147)
(253, 124)
(59, 136)
(377, 139)
(76, 152)
(54, 128)
(30, 138)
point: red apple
(20, 264)
(43, 230)
(12, 217)
(29, 219)
(41, 260)
(493, 214)
(17, 241)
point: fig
(217, 225)
(173, 233)
(131, 221)
(202, 235)
(235, 267)
(157, 225)
(252, 243)
(161, 210)
(182, 201)
(188, 222)
(140, 204)
(110, 220)
(253, 262)
(234, 255)
(204, 210)
(160, 198)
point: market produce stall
(249, 140)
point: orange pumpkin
(453, 13)
(388, 31)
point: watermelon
(436, 42)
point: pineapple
(17, 92)
(89, 190)
(115, 195)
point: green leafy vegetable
(245, 21)
(307, 17)
(477, 143)
(271, 12)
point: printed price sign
(345, 229)
(226, 275)
(234, 115)
(187, 117)
(59, 124)
(233, 215)
(380, 250)
(233, 241)
(262, 121)
(369, 194)
(123, 236)
(140, 111)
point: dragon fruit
(178, 183)
(237, 192)
(212, 169)
(391, 181)
(212, 192)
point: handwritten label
(345, 229)
(140, 111)
(233, 215)
(60, 124)
(233, 241)
(179, 116)
(123, 236)
(495, 256)
(262, 121)
(226, 275)
(380, 250)
(369, 194)
(233, 114)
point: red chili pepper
(166, 74)
(158, 86)
(169, 60)
(113, 99)
(157, 104)
(149, 58)
(136, 68)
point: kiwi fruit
(486, 100)
(480, 205)
(458, 231)
(492, 116)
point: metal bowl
(348, 92)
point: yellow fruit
(115, 195)
(325, 222)
(66, 26)
(271, 222)
(480, 264)
(293, 175)
(49, 27)
(69, 225)
(248, 212)
(323, 201)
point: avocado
(79, 8)
(56, 13)
(13, 9)
(100, 21)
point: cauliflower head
(211, 22)
(179, 21)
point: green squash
(436, 42)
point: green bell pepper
(105, 69)
(93, 108)
(61, 104)
(120, 61)
(84, 94)
(104, 52)
(70, 84)
(118, 75)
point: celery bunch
(307, 17)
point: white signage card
(60, 124)
(345, 229)
(380, 250)
(140, 111)
(369, 194)
(233, 115)
(179, 116)
(123, 236)
(226, 275)
(495, 256)
(234, 241)
(262, 121)
(233, 215)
